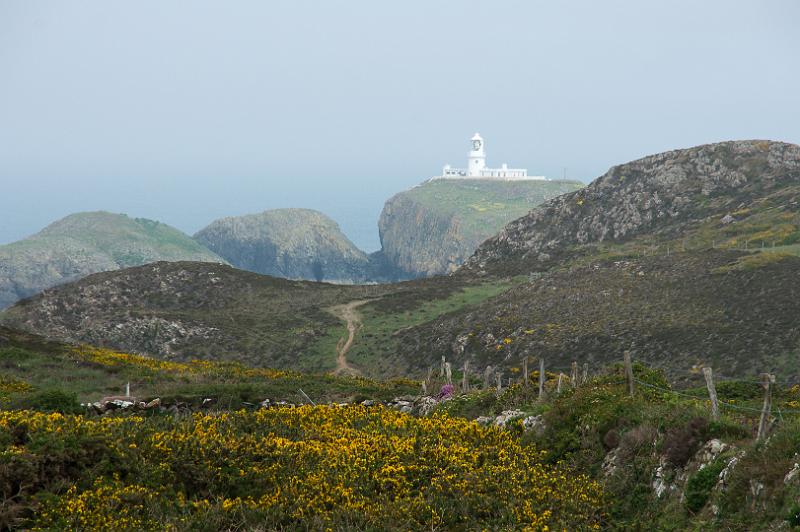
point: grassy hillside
(85, 243)
(32, 368)
(677, 311)
(182, 311)
(483, 207)
(128, 241)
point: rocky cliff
(432, 228)
(85, 243)
(662, 196)
(288, 243)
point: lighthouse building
(476, 167)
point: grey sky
(188, 111)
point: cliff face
(86, 243)
(289, 243)
(432, 228)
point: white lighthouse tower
(476, 167)
(477, 157)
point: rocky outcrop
(432, 228)
(288, 243)
(86, 243)
(660, 195)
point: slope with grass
(433, 227)
(85, 243)
(180, 311)
(675, 311)
(40, 373)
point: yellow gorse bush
(109, 358)
(323, 467)
(9, 385)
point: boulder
(506, 416)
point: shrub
(49, 400)
(793, 518)
(636, 439)
(680, 443)
(699, 486)
(739, 390)
(309, 468)
(611, 439)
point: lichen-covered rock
(660, 194)
(506, 416)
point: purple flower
(446, 391)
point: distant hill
(288, 243)
(85, 243)
(432, 228)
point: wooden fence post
(768, 381)
(712, 392)
(560, 380)
(448, 371)
(441, 369)
(487, 376)
(573, 375)
(465, 381)
(499, 382)
(541, 378)
(629, 371)
(585, 377)
(525, 371)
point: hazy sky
(186, 111)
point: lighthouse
(477, 156)
(477, 169)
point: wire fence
(705, 398)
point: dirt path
(350, 315)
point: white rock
(426, 405)
(533, 423)
(119, 403)
(792, 474)
(506, 416)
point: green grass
(374, 345)
(51, 366)
(483, 207)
